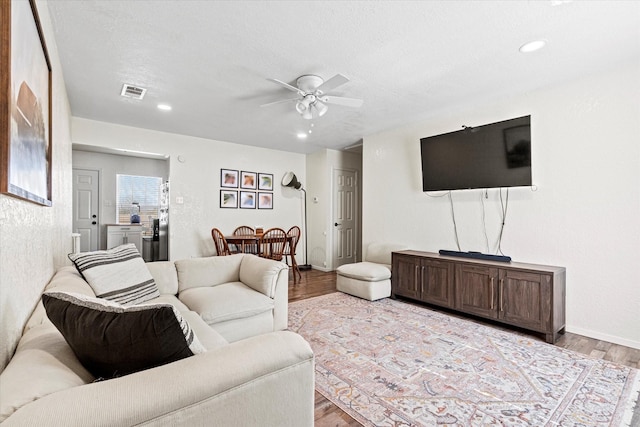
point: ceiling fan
(312, 95)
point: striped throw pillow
(117, 274)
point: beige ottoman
(366, 280)
(370, 279)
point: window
(142, 191)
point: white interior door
(85, 208)
(345, 208)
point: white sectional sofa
(253, 372)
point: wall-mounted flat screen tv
(489, 156)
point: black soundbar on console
(476, 255)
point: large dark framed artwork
(25, 108)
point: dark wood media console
(528, 296)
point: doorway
(345, 216)
(86, 185)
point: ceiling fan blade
(332, 83)
(279, 102)
(288, 86)
(341, 100)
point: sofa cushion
(368, 271)
(117, 274)
(208, 271)
(111, 340)
(209, 337)
(43, 364)
(165, 275)
(226, 302)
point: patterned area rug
(389, 363)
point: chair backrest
(222, 248)
(294, 238)
(272, 243)
(244, 230)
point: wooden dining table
(245, 241)
(242, 241)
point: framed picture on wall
(265, 181)
(265, 200)
(229, 199)
(228, 178)
(247, 199)
(25, 128)
(248, 180)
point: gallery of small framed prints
(238, 189)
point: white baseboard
(324, 269)
(604, 337)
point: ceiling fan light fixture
(321, 108)
(307, 114)
(312, 90)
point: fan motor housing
(309, 83)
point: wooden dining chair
(222, 248)
(272, 243)
(244, 230)
(290, 251)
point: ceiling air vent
(130, 91)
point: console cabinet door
(524, 299)
(476, 289)
(437, 283)
(115, 238)
(406, 276)
(119, 235)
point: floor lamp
(290, 180)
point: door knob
(336, 224)
(94, 216)
(93, 222)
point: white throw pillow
(117, 274)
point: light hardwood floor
(315, 283)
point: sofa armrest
(263, 380)
(271, 278)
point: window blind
(141, 190)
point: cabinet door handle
(500, 293)
(492, 296)
(125, 239)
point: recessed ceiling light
(164, 107)
(532, 46)
(302, 135)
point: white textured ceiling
(407, 60)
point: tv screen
(490, 156)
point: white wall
(35, 240)
(584, 215)
(196, 179)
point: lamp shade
(321, 108)
(290, 180)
